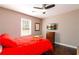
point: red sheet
(28, 46)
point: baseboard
(66, 45)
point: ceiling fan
(45, 6)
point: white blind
(25, 27)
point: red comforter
(28, 46)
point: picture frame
(37, 26)
(52, 26)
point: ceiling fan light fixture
(44, 10)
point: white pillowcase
(0, 48)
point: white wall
(68, 27)
(10, 22)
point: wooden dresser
(50, 36)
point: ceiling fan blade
(50, 6)
(37, 7)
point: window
(25, 27)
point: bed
(26, 45)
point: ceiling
(28, 9)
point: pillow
(7, 41)
(1, 49)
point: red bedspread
(28, 46)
